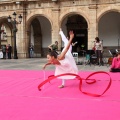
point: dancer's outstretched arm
(46, 65)
(64, 39)
(62, 55)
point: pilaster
(55, 26)
(92, 30)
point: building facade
(42, 20)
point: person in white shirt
(98, 50)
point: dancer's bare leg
(63, 84)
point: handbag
(93, 48)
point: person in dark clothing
(8, 51)
(31, 50)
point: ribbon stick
(44, 77)
(88, 81)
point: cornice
(11, 1)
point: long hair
(97, 39)
(118, 53)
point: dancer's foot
(61, 86)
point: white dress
(1, 54)
(68, 64)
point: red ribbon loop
(88, 81)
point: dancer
(115, 67)
(64, 62)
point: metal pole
(14, 33)
(0, 36)
(0, 39)
(118, 44)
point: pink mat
(21, 100)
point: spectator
(115, 67)
(8, 51)
(53, 46)
(98, 50)
(4, 51)
(31, 50)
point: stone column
(92, 30)
(21, 42)
(56, 27)
(0, 34)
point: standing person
(115, 67)
(74, 47)
(64, 62)
(4, 51)
(1, 53)
(53, 46)
(8, 51)
(31, 50)
(78, 50)
(98, 50)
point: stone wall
(55, 12)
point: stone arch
(104, 11)
(9, 27)
(81, 33)
(65, 14)
(108, 24)
(33, 15)
(38, 33)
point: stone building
(42, 20)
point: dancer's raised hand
(71, 35)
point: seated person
(53, 46)
(115, 67)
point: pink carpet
(21, 100)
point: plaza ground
(37, 64)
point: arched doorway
(109, 30)
(79, 25)
(40, 35)
(6, 36)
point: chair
(93, 59)
(87, 60)
(117, 50)
(112, 52)
(75, 56)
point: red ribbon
(88, 81)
